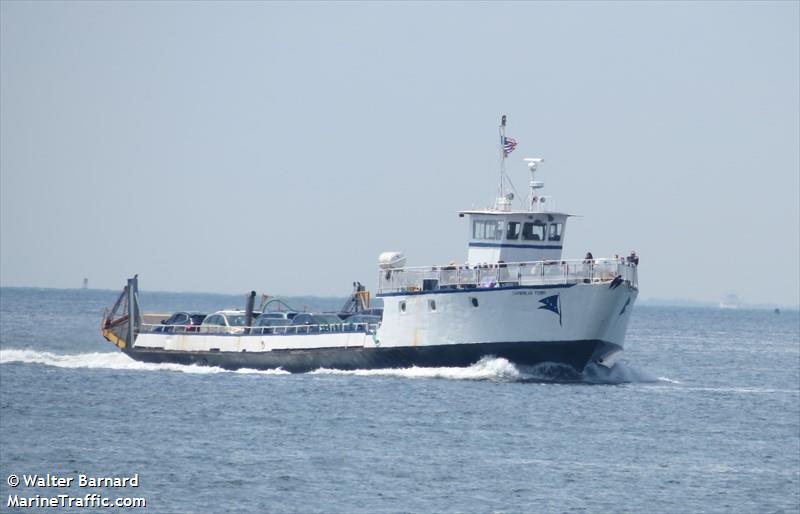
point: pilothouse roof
(496, 212)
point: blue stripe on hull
(573, 353)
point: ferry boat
(514, 298)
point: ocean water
(701, 415)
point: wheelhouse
(514, 236)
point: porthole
(402, 306)
(432, 305)
(474, 301)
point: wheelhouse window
(513, 230)
(555, 232)
(478, 229)
(534, 231)
(482, 229)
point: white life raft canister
(391, 260)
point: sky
(282, 147)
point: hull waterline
(576, 354)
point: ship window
(478, 230)
(474, 301)
(513, 230)
(432, 305)
(487, 230)
(402, 306)
(494, 230)
(555, 232)
(533, 231)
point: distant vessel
(85, 283)
(730, 301)
(514, 298)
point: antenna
(533, 163)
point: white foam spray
(488, 368)
(112, 360)
(619, 373)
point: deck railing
(329, 328)
(511, 274)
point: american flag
(509, 144)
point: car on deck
(314, 323)
(279, 314)
(361, 322)
(181, 322)
(226, 322)
(266, 324)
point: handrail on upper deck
(323, 328)
(498, 275)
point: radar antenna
(533, 199)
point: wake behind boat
(514, 298)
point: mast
(501, 191)
(504, 194)
(505, 189)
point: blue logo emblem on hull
(628, 302)
(552, 304)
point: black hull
(576, 354)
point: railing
(505, 275)
(330, 328)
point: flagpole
(501, 194)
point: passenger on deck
(633, 258)
(589, 259)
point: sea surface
(701, 415)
